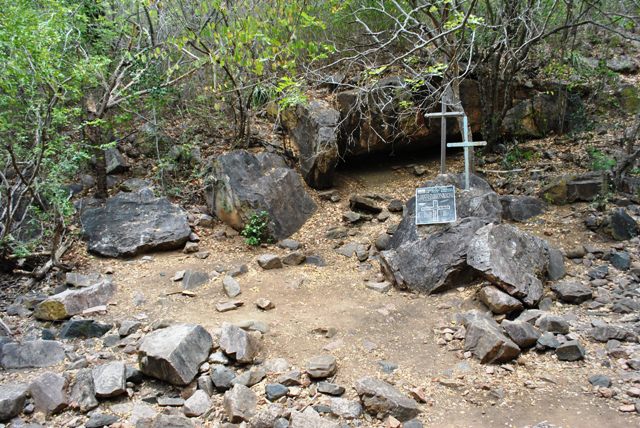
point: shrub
(256, 230)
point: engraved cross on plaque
(435, 209)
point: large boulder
(432, 258)
(520, 208)
(314, 130)
(174, 354)
(380, 399)
(74, 301)
(242, 184)
(575, 188)
(49, 393)
(512, 259)
(133, 223)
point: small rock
(289, 244)
(74, 301)
(83, 329)
(12, 400)
(621, 260)
(330, 388)
(110, 379)
(321, 366)
(49, 393)
(522, 333)
(347, 409)
(36, 353)
(191, 247)
(264, 304)
(240, 403)
(309, 418)
(498, 301)
(231, 286)
(381, 399)
(79, 280)
(570, 351)
(600, 380)
(572, 292)
(170, 401)
(197, 404)
(239, 344)
(174, 354)
(275, 391)
(380, 287)
(83, 393)
(395, 206)
(294, 259)
(222, 377)
(269, 261)
(128, 327)
(99, 420)
(553, 324)
(193, 279)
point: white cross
(435, 208)
(443, 115)
(466, 144)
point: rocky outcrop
(134, 223)
(242, 184)
(405, 264)
(314, 130)
(541, 115)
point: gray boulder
(572, 292)
(238, 344)
(512, 259)
(74, 301)
(603, 332)
(49, 393)
(485, 339)
(380, 399)
(242, 184)
(36, 353)
(239, 403)
(193, 279)
(110, 379)
(498, 301)
(520, 208)
(129, 224)
(314, 130)
(174, 354)
(12, 399)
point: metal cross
(436, 208)
(466, 144)
(443, 115)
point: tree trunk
(94, 134)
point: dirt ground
(399, 328)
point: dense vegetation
(78, 77)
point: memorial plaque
(435, 205)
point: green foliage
(256, 230)
(599, 160)
(516, 156)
